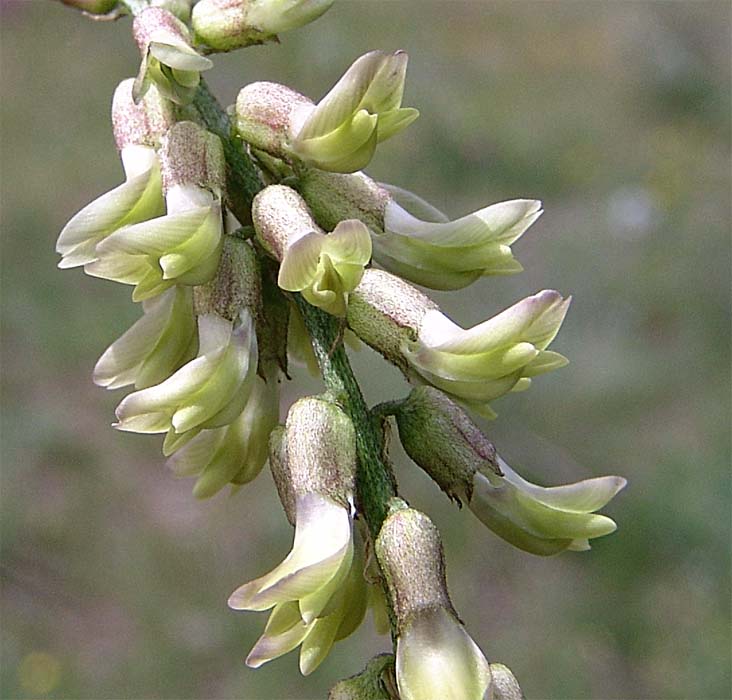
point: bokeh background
(617, 115)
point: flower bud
(475, 365)
(435, 657)
(154, 347)
(137, 131)
(184, 246)
(323, 268)
(442, 439)
(235, 453)
(231, 24)
(414, 240)
(168, 58)
(338, 134)
(207, 392)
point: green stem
(375, 479)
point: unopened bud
(180, 8)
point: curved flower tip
(138, 199)
(544, 520)
(315, 568)
(207, 392)
(419, 244)
(182, 247)
(287, 628)
(154, 347)
(168, 57)
(362, 109)
(325, 268)
(499, 355)
(235, 453)
(436, 658)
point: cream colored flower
(207, 392)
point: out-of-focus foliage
(616, 115)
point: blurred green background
(617, 115)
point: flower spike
(414, 240)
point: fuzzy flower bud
(414, 240)
(207, 392)
(137, 132)
(435, 656)
(235, 453)
(231, 24)
(154, 347)
(182, 247)
(318, 593)
(475, 365)
(168, 58)
(323, 268)
(338, 134)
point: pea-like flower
(317, 592)
(442, 439)
(154, 347)
(416, 241)
(137, 131)
(543, 520)
(169, 60)
(323, 268)
(341, 132)
(210, 391)
(230, 24)
(475, 365)
(435, 656)
(184, 246)
(237, 452)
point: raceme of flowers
(218, 319)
